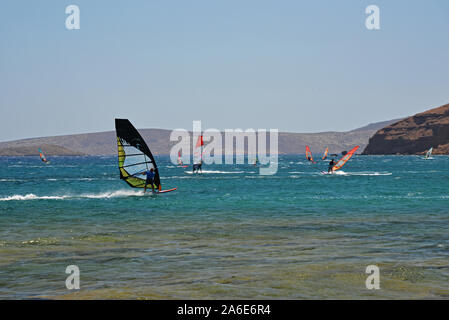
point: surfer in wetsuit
(149, 180)
(331, 166)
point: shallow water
(228, 233)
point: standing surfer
(197, 167)
(149, 180)
(330, 169)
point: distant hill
(414, 135)
(377, 125)
(31, 150)
(104, 143)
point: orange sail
(309, 154)
(41, 154)
(345, 159)
(325, 153)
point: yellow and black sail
(134, 156)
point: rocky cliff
(414, 135)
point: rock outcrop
(414, 135)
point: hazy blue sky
(299, 66)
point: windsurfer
(150, 179)
(330, 169)
(197, 167)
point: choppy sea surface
(227, 233)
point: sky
(297, 66)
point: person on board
(332, 163)
(197, 167)
(149, 180)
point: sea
(228, 233)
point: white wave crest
(112, 194)
(369, 173)
(216, 171)
(103, 195)
(32, 196)
(343, 173)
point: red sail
(309, 154)
(345, 159)
(200, 142)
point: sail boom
(136, 164)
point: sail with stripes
(345, 159)
(134, 156)
(429, 153)
(309, 154)
(325, 153)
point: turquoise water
(228, 233)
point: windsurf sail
(325, 153)
(429, 153)
(344, 159)
(134, 156)
(42, 156)
(179, 158)
(199, 144)
(309, 154)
